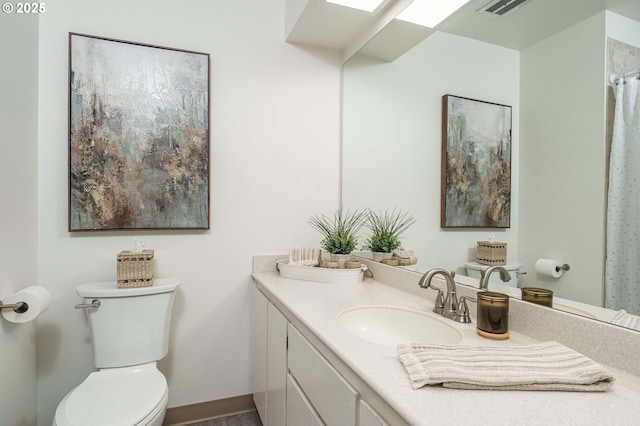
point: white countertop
(317, 306)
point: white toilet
(474, 270)
(130, 332)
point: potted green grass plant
(339, 232)
(386, 228)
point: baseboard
(204, 411)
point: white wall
(18, 178)
(562, 173)
(393, 137)
(275, 114)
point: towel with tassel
(305, 256)
(625, 319)
(540, 366)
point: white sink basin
(390, 326)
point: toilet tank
(474, 270)
(131, 326)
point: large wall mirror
(550, 61)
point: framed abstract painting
(476, 164)
(138, 136)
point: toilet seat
(128, 396)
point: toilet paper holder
(19, 308)
(564, 267)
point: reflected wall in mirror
(392, 132)
(557, 87)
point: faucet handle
(462, 313)
(438, 307)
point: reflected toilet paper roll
(37, 298)
(549, 268)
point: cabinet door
(259, 355)
(368, 417)
(276, 367)
(299, 409)
(332, 397)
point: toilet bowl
(129, 333)
(474, 270)
(124, 396)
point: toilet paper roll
(549, 268)
(38, 298)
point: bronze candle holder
(493, 315)
(540, 296)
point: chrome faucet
(505, 276)
(445, 306)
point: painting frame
(139, 136)
(476, 163)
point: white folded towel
(624, 319)
(540, 366)
(304, 256)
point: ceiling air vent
(502, 7)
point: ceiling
(318, 23)
(535, 20)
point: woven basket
(135, 269)
(490, 253)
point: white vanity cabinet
(377, 390)
(294, 384)
(259, 353)
(269, 361)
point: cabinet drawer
(331, 396)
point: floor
(245, 419)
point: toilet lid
(479, 267)
(114, 396)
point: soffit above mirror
(323, 24)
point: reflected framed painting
(138, 136)
(476, 164)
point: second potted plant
(386, 228)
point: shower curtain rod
(614, 78)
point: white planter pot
(378, 256)
(340, 258)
